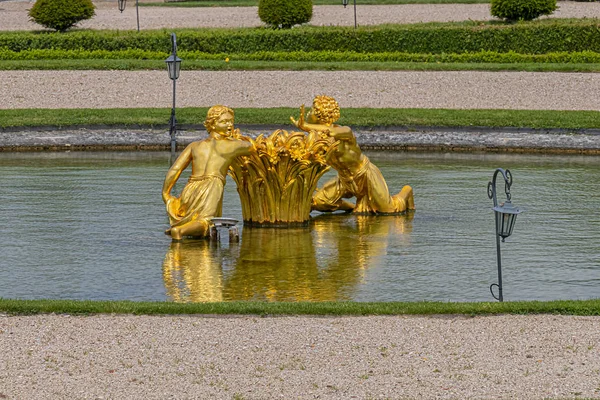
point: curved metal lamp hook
(174, 43)
(507, 184)
(492, 291)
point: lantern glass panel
(505, 223)
(173, 66)
(122, 4)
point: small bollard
(214, 234)
(229, 223)
(234, 235)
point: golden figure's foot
(399, 202)
(176, 233)
(406, 194)
(345, 206)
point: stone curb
(464, 139)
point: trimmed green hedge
(299, 56)
(538, 37)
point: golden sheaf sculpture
(277, 179)
(277, 175)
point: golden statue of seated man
(357, 176)
(202, 197)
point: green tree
(61, 15)
(521, 10)
(284, 13)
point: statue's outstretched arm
(175, 171)
(237, 147)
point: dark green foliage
(522, 10)
(284, 13)
(61, 15)
(524, 38)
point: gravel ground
(13, 15)
(376, 89)
(199, 357)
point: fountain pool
(89, 225)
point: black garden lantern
(505, 216)
(173, 67)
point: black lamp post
(174, 67)
(505, 216)
(123, 3)
(345, 3)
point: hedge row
(298, 56)
(538, 37)
(54, 54)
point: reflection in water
(325, 262)
(275, 265)
(350, 245)
(192, 272)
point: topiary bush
(522, 10)
(61, 15)
(284, 13)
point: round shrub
(284, 13)
(522, 10)
(60, 15)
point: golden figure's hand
(300, 123)
(166, 197)
(236, 134)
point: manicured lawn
(564, 307)
(244, 65)
(365, 117)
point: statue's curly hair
(326, 109)
(213, 115)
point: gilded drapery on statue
(277, 174)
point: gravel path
(198, 357)
(377, 89)
(13, 15)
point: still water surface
(90, 226)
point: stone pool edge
(396, 138)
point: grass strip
(564, 307)
(254, 3)
(365, 117)
(221, 65)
